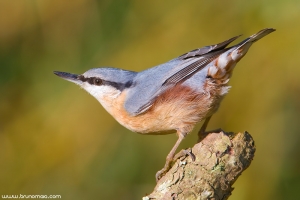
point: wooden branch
(220, 160)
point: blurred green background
(57, 139)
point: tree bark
(220, 160)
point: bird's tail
(225, 63)
(244, 45)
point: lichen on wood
(220, 160)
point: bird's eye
(97, 81)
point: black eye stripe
(82, 78)
(98, 81)
(90, 80)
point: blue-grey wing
(151, 83)
(207, 49)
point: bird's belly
(179, 108)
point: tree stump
(220, 160)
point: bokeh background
(57, 139)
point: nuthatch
(171, 97)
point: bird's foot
(203, 134)
(182, 154)
(163, 171)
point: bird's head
(101, 82)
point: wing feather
(207, 49)
(154, 81)
(191, 69)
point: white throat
(105, 94)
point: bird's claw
(160, 174)
(184, 153)
(202, 135)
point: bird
(171, 97)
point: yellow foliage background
(57, 139)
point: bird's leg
(202, 133)
(184, 153)
(170, 157)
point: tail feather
(253, 38)
(243, 46)
(257, 36)
(225, 63)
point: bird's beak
(69, 77)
